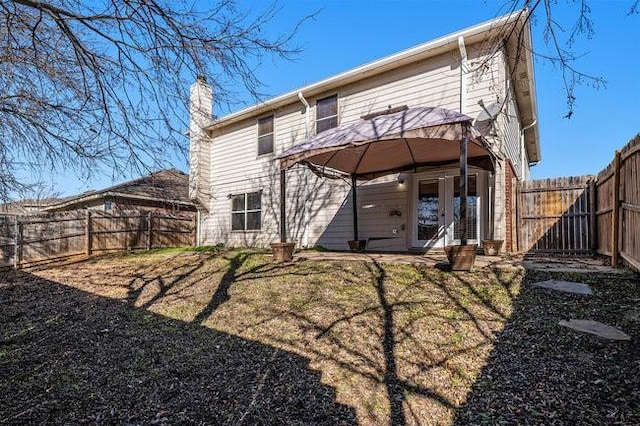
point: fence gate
(557, 215)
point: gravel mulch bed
(183, 337)
(542, 374)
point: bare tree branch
(560, 37)
(90, 85)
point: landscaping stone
(565, 286)
(596, 328)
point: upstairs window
(246, 211)
(326, 113)
(265, 135)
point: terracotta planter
(282, 252)
(357, 246)
(461, 258)
(492, 247)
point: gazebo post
(283, 251)
(355, 245)
(462, 257)
(355, 207)
(463, 187)
(283, 210)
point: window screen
(265, 135)
(246, 211)
(326, 113)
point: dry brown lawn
(184, 337)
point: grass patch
(226, 336)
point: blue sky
(345, 34)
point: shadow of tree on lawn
(69, 356)
(399, 344)
(401, 359)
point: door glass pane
(428, 209)
(472, 208)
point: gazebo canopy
(390, 143)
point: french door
(436, 211)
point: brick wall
(509, 203)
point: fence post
(20, 242)
(593, 218)
(87, 234)
(516, 219)
(149, 238)
(16, 242)
(615, 214)
(195, 229)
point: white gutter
(532, 92)
(306, 214)
(523, 150)
(463, 74)
(422, 51)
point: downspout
(492, 203)
(306, 219)
(522, 148)
(463, 74)
(306, 113)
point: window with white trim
(326, 113)
(246, 211)
(265, 135)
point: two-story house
(484, 72)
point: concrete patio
(430, 259)
(544, 263)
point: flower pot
(492, 247)
(461, 258)
(357, 246)
(282, 252)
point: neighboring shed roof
(513, 28)
(168, 186)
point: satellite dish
(485, 121)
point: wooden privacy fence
(557, 215)
(586, 214)
(31, 239)
(618, 209)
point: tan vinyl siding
(236, 167)
(511, 127)
(378, 203)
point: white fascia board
(533, 98)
